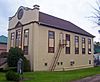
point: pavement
(95, 78)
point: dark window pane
(89, 61)
(25, 50)
(18, 38)
(83, 45)
(67, 37)
(76, 50)
(51, 34)
(26, 41)
(76, 45)
(51, 50)
(67, 50)
(83, 50)
(45, 64)
(89, 46)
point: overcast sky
(75, 11)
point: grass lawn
(63, 76)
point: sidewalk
(95, 78)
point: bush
(26, 67)
(12, 76)
(13, 56)
(12, 68)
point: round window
(20, 14)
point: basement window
(45, 64)
(57, 63)
(89, 61)
(61, 63)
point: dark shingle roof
(3, 39)
(58, 23)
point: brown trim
(24, 40)
(21, 29)
(24, 25)
(90, 46)
(53, 44)
(21, 36)
(69, 44)
(13, 39)
(75, 44)
(84, 44)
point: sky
(75, 11)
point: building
(3, 44)
(96, 54)
(3, 51)
(50, 43)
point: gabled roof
(58, 23)
(3, 39)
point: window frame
(76, 43)
(24, 47)
(83, 43)
(12, 39)
(89, 43)
(67, 49)
(19, 45)
(53, 48)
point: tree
(97, 43)
(96, 16)
(13, 56)
(96, 47)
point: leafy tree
(97, 43)
(13, 56)
(96, 47)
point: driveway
(95, 78)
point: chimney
(36, 7)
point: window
(76, 45)
(61, 63)
(51, 41)
(12, 39)
(61, 36)
(26, 41)
(20, 14)
(57, 63)
(83, 45)
(89, 61)
(89, 46)
(18, 38)
(45, 64)
(68, 44)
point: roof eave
(44, 24)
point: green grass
(62, 76)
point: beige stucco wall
(28, 16)
(81, 60)
(38, 44)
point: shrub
(12, 76)
(26, 67)
(13, 56)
